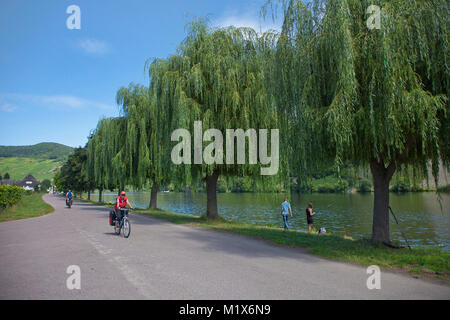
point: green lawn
(19, 168)
(30, 206)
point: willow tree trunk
(211, 188)
(100, 191)
(89, 195)
(154, 197)
(381, 178)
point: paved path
(166, 261)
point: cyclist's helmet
(122, 193)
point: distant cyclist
(69, 196)
(121, 203)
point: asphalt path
(161, 260)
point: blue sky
(56, 83)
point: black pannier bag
(112, 217)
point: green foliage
(73, 176)
(361, 94)
(104, 168)
(45, 150)
(145, 155)
(445, 188)
(365, 185)
(10, 195)
(402, 186)
(217, 77)
(243, 184)
(338, 186)
(46, 184)
(222, 186)
(57, 181)
(366, 96)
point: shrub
(242, 184)
(365, 185)
(221, 186)
(10, 195)
(400, 187)
(342, 186)
(46, 184)
(444, 188)
(331, 187)
(417, 188)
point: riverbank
(422, 262)
(29, 206)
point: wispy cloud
(94, 46)
(66, 101)
(51, 102)
(6, 107)
(247, 19)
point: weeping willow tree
(145, 150)
(371, 96)
(216, 78)
(106, 165)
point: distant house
(29, 183)
(8, 182)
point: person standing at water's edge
(309, 215)
(285, 211)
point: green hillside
(18, 168)
(41, 160)
(45, 150)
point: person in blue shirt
(286, 210)
(69, 196)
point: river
(423, 218)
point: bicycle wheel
(117, 227)
(126, 228)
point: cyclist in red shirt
(121, 203)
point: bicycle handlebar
(126, 209)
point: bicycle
(69, 202)
(124, 224)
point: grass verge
(30, 206)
